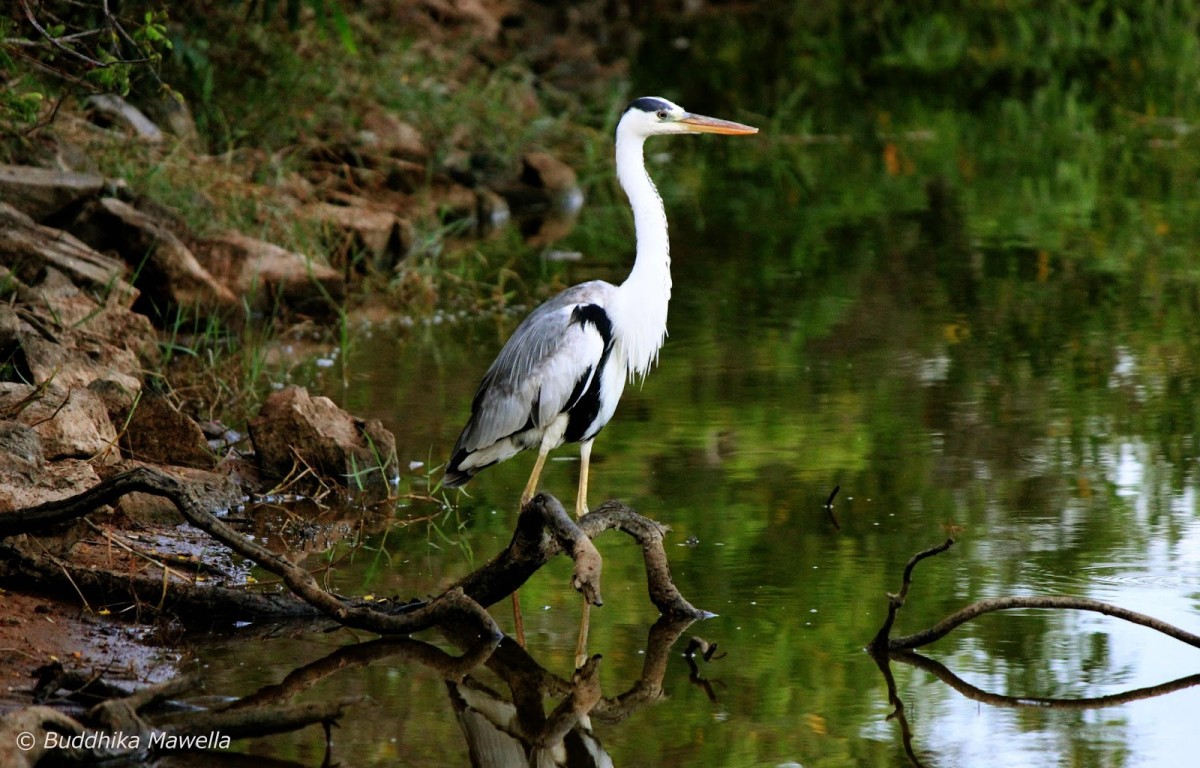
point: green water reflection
(978, 323)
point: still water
(978, 326)
(953, 371)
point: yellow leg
(526, 495)
(531, 486)
(585, 460)
(581, 509)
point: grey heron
(558, 378)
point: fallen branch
(20, 566)
(545, 530)
(974, 610)
(884, 642)
(451, 606)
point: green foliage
(88, 46)
(1134, 55)
(327, 13)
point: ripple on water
(1123, 574)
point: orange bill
(702, 124)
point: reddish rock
(387, 133)
(57, 480)
(42, 352)
(544, 171)
(157, 433)
(71, 423)
(28, 250)
(354, 229)
(168, 273)
(294, 430)
(265, 276)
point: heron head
(651, 115)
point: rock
(351, 230)
(544, 171)
(217, 492)
(475, 14)
(168, 273)
(455, 202)
(173, 114)
(404, 176)
(40, 351)
(294, 429)
(22, 446)
(42, 192)
(265, 276)
(546, 200)
(56, 480)
(29, 249)
(72, 423)
(108, 109)
(156, 432)
(384, 132)
(494, 212)
(74, 301)
(117, 400)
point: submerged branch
(974, 610)
(884, 649)
(881, 642)
(884, 642)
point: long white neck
(641, 310)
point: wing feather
(549, 360)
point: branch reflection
(884, 659)
(506, 725)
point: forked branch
(883, 640)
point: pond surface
(981, 327)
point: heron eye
(662, 114)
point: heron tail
(456, 474)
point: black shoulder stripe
(594, 314)
(579, 390)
